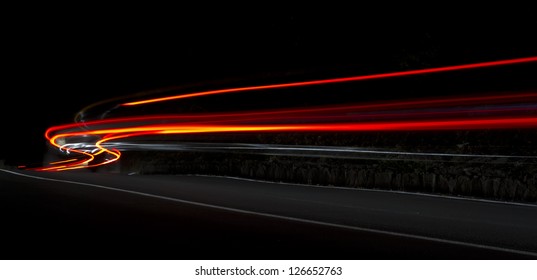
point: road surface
(82, 215)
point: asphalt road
(84, 215)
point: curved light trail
(92, 143)
(340, 80)
(300, 150)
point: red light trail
(341, 80)
(450, 113)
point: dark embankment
(507, 179)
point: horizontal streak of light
(528, 122)
(117, 133)
(334, 118)
(298, 149)
(62, 161)
(341, 80)
(366, 126)
(386, 105)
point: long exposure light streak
(90, 140)
(340, 80)
(297, 150)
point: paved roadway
(86, 215)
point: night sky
(57, 63)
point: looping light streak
(448, 113)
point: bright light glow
(431, 114)
(340, 80)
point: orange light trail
(451, 113)
(62, 161)
(341, 80)
(453, 124)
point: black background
(57, 61)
